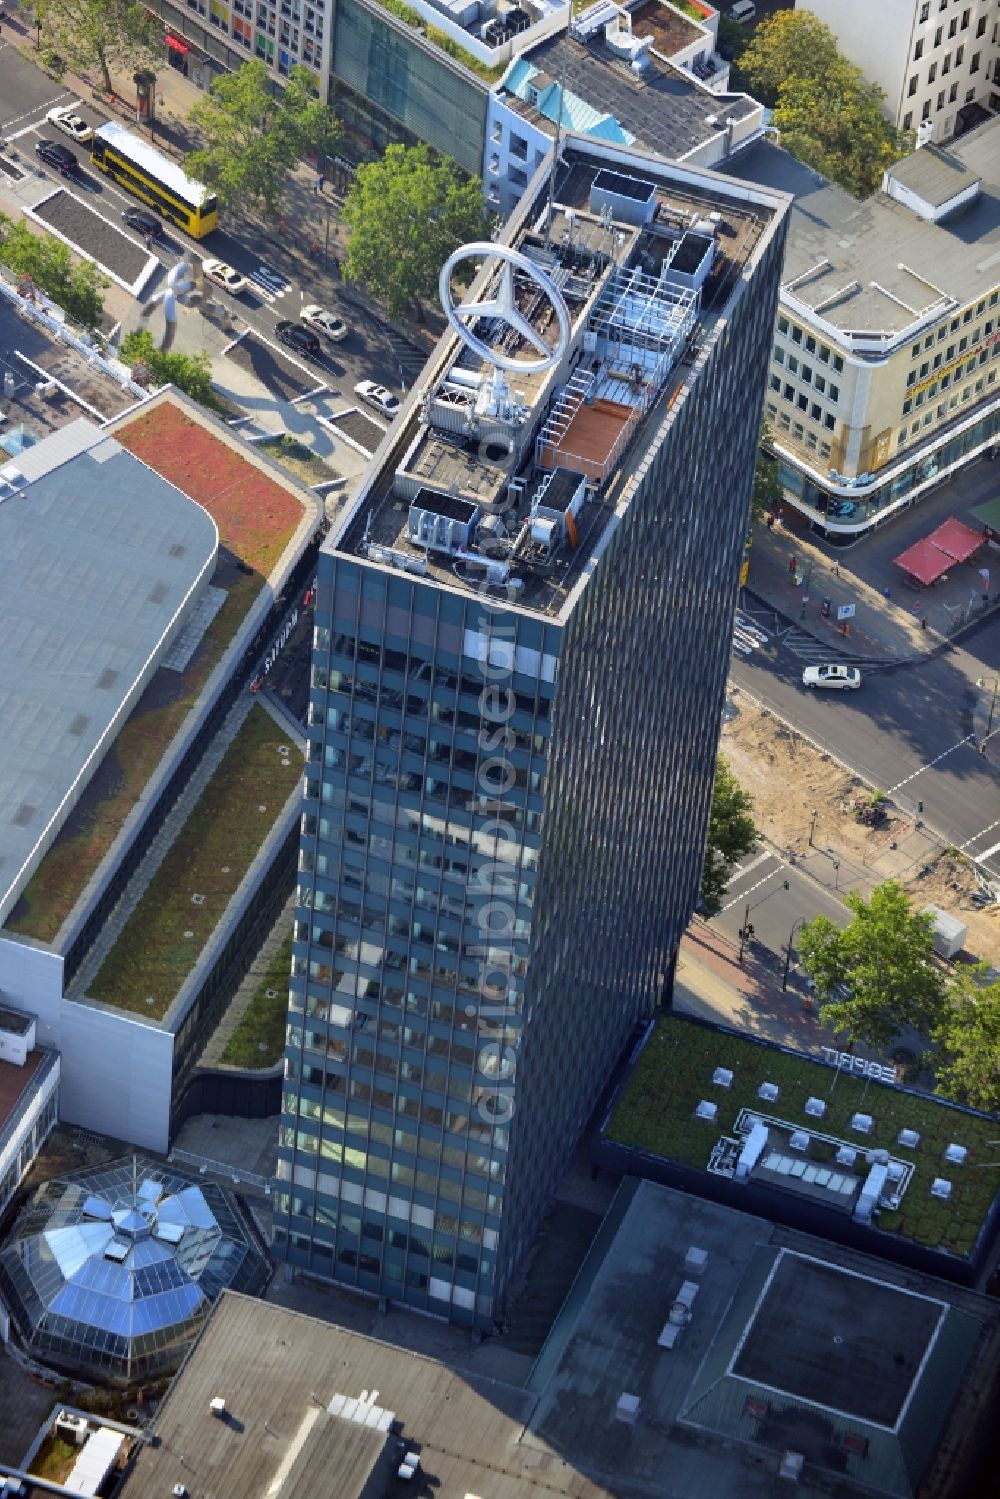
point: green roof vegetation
(655, 1113)
(257, 516)
(259, 1037)
(99, 816)
(442, 41)
(166, 933)
(695, 12)
(299, 459)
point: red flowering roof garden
(255, 514)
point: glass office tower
(510, 762)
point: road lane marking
(981, 834)
(59, 99)
(744, 869)
(930, 764)
(742, 897)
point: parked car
(303, 340)
(70, 124)
(221, 274)
(838, 678)
(743, 12)
(323, 322)
(378, 396)
(143, 220)
(60, 158)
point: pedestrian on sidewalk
(802, 611)
(321, 182)
(885, 594)
(770, 522)
(836, 569)
(792, 565)
(923, 621)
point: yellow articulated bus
(153, 177)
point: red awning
(176, 43)
(924, 561)
(957, 540)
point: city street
(758, 882)
(911, 730)
(372, 349)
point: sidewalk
(711, 983)
(880, 630)
(310, 219)
(887, 626)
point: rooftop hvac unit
(768, 1092)
(941, 1188)
(908, 1138)
(791, 1466)
(722, 1077)
(955, 1154)
(695, 1260)
(815, 1108)
(706, 1110)
(862, 1123)
(72, 1428)
(753, 1148)
(627, 1409)
(799, 1140)
(871, 1191)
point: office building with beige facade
(885, 368)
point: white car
(378, 396)
(839, 678)
(221, 274)
(325, 323)
(70, 124)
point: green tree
(406, 214)
(877, 974)
(191, 373)
(76, 287)
(967, 1040)
(101, 34)
(826, 112)
(789, 44)
(254, 136)
(767, 487)
(731, 834)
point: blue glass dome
(113, 1270)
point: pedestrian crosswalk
(411, 361)
(801, 644)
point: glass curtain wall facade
(397, 80)
(502, 840)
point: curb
(942, 644)
(786, 855)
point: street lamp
(749, 908)
(812, 828)
(788, 951)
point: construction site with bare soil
(807, 805)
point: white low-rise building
(935, 60)
(29, 1099)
